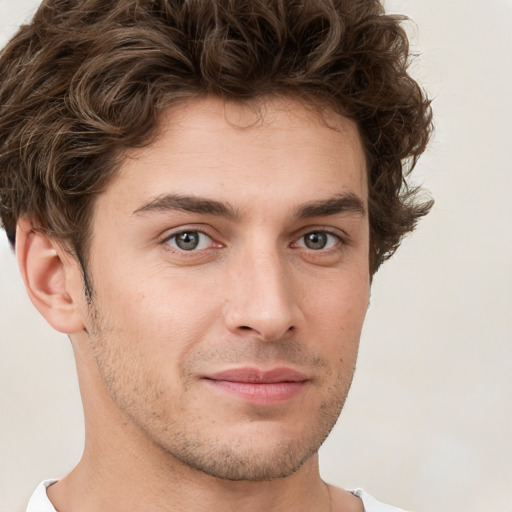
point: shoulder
(39, 501)
(358, 501)
(372, 505)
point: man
(199, 194)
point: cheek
(338, 313)
(160, 318)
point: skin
(276, 281)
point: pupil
(316, 240)
(187, 241)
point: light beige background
(428, 425)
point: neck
(122, 478)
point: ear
(51, 276)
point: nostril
(247, 328)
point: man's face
(229, 267)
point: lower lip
(261, 393)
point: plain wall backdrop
(428, 424)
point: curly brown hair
(87, 79)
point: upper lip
(257, 375)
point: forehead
(280, 148)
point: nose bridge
(262, 298)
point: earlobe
(47, 271)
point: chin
(236, 463)
(254, 452)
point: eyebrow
(347, 203)
(190, 204)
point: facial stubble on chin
(137, 393)
(234, 462)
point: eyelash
(339, 240)
(174, 236)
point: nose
(261, 299)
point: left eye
(317, 240)
(190, 241)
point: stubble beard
(135, 393)
(236, 461)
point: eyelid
(170, 234)
(330, 245)
(341, 235)
(173, 242)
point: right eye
(190, 240)
(318, 241)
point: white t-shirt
(40, 502)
